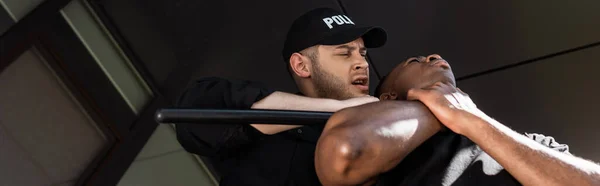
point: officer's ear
(392, 95)
(300, 65)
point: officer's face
(341, 71)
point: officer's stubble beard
(326, 84)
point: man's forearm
(528, 161)
(287, 101)
(362, 142)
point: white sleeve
(549, 141)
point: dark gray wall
(182, 40)
(478, 35)
(556, 97)
(179, 40)
(5, 20)
(144, 26)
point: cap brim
(373, 37)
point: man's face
(419, 72)
(341, 71)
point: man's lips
(361, 82)
(360, 79)
(362, 87)
(440, 63)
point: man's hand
(530, 162)
(449, 104)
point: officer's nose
(363, 64)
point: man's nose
(433, 57)
(361, 64)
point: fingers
(465, 99)
(454, 101)
(445, 89)
(418, 93)
(415, 94)
(450, 93)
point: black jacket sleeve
(212, 140)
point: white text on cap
(338, 19)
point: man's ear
(300, 65)
(388, 96)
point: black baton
(229, 116)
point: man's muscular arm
(530, 162)
(361, 142)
